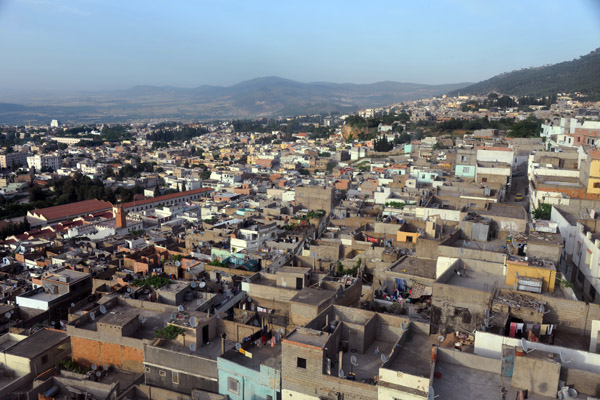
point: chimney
(120, 217)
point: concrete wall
(490, 345)
(455, 307)
(190, 370)
(538, 375)
(469, 360)
(583, 381)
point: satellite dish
(173, 315)
(12, 311)
(106, 368)
(193, 322)
(238, 346)
(353, 361)
(180, 308)
(383, 357)
(129, 289)
(7, 315)
(431, 393)
(178, 263)
(94, 367)
(193, 346)
(52, 323)
(341, 373)
(72, 304)
(193, 285)
(249, 300)
(255, 323)
(202, 284)
(143, 320)
(526, 348)
(562, 359)
(103, 309)
(92, 316)
(98, 374)
(403, 327)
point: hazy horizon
(89, 45)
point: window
(162, 373)
(466, 170)
(232, 386)
(596, 185)
(147, 370)
(592, 293)
(463, 158)
(580, 276)
(44, 359)
(483, 179)
(301, 362)
(175, 377)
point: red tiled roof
(71, 210)
(165, 197)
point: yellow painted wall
(402, 236)
(548, 275)
(590, 185)
(595, 168)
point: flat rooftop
(153, 320)
(479, 280)
(414, 355)
(368, 363)
(545, 238)
(458, 383)
(37, 343)
(502, 210)
(496, 245)
(311, 337)
(266, 355)
(211, 350)
(422, 267)
(312, 296)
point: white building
(38, 162)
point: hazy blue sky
(106, 44)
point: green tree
(529, 127)
(543, 211)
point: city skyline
(87, 45)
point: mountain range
(269, 96)
(579, 75)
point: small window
(580, 276)
(44, 359)
(483, 179)
(175, 377)
(466, 170)
(232, 386)
(162, 373)
(301, 363)
(596, 185)
(147, 370)
(592, 293)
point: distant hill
(269, 96)
(579, 75)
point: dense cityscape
(299, 200)
(320, 256)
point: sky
(51, 45)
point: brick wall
(88, 352)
